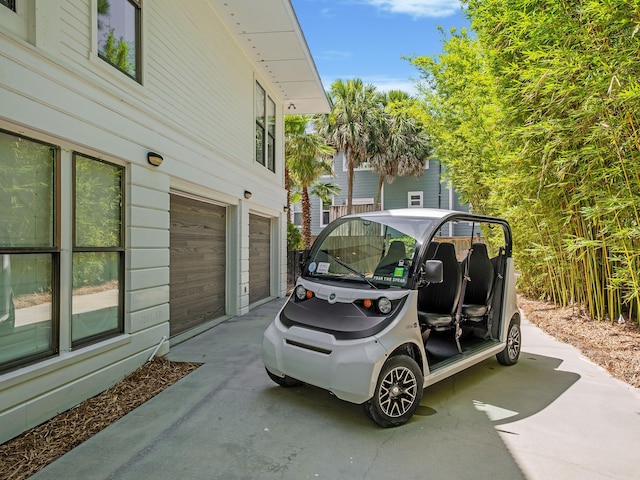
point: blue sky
(367, 38)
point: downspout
(155, 350)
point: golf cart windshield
(375, 251)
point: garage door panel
(259, 258)
(198, 263)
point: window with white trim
(29, 250)
(98, 250)
(10, 4)
(119, 35)
(296, 214)
(33, 246)
(414, 199)
(265, 153)
(325, 213)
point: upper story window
(265, 129)
(119, 35)
(326, 213)
(414, 199)
(9, 4)
(296, 214)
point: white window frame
(16, 22)
(296, 208)
(413, 197)
(322, 210)
(267, 125)
(138, 77)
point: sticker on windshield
(323, 267)
(312, 267)
(398, 272)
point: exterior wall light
(154, 159)
(247, 194)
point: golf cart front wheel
(398, 392)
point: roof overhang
(269, 33)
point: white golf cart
(390, 302)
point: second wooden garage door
(259, 258)
(198, 263)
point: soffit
(269, 32)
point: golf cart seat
(437, 302)
(479, 284)
(388, 263)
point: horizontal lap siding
(259, 258)
(194, 70)
(198, 263)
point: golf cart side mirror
(432, 272)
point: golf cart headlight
(384, 305)
(302, 293)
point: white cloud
(385, 84)
(418, 8)
(333, 55)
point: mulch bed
(31, 451)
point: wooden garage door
(259, 258)
(198, 263)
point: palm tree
(307, 157)
(347, 127)
(398, 145)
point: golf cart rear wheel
(285, 381)
(509, 356)
(398, 392)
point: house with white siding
(142, 194)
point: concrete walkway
(554, 415)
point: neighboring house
(141, 182)
(426, 191)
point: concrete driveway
(554, 415)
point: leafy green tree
(307, 157)
(294, 237)
(462, 114)
(347, 128)
(540, 111)
(570, 72)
